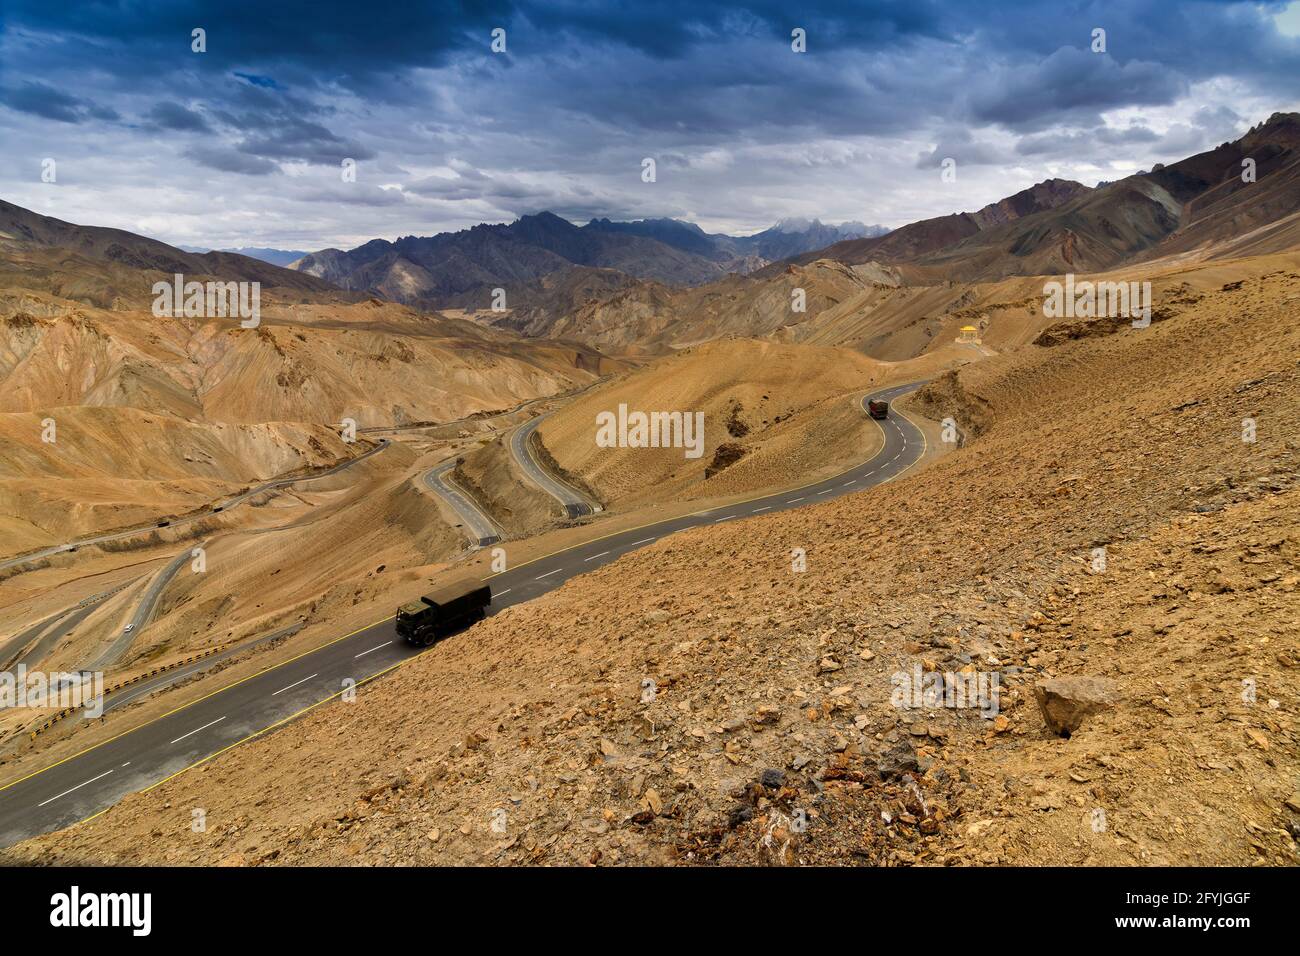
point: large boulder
(1067, 701)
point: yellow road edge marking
(198, 700)
(768, 494)
(858, 400)
(244, 740)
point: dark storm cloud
(45, 101)
(227, 160)
(302, 140)
(1072, 85)
(176, 117)
(342, 38)
(587, 89)
(1025, 64)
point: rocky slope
(376, 363)
(702, 702)
(110, 468)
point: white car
(128, 629)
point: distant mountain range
(1195, 209)
(461, 268)
(277, 257)
(787, 238)
(616, 274)
(114, 268)
(1057, 226)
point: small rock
(899, 759)
(1067, 701)
(739, 815)
(653, 802)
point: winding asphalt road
(83, 607)
(574, 503)
(93, 780)
(478, 524)
(144, 610)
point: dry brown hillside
(373, 362)
(774, 415)
(771, 735)
(111, 468)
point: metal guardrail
(69, 711)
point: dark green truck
(440, 612)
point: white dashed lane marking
(206, 726)
(595, 556)
(77, 787)
(375, 648)
(293, 685)
(547, 574)
(642, 541)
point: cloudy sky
(244, 144)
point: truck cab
(878, 409)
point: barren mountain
(789, 237)
(1198, 204)
(116, 247)
(461, 270)
(649, 317)
(930, 235)
(109, 468)
(775, 691)
(277, 257)
(377, 363)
